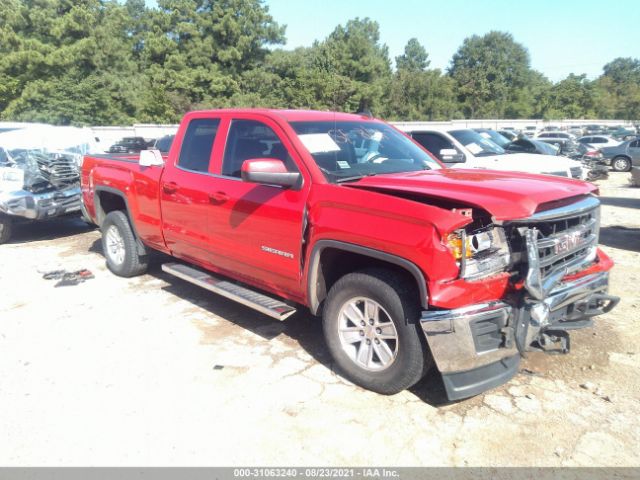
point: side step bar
(262, 303)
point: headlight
(480, 253)
(11, 179)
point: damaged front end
(37, 185)
(560, 282)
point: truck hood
(505, 195)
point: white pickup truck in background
(466, 148)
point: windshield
(496, 137)
(352, 150)
(476, 143)
(545, 148)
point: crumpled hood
(505, 195)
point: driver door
(256, 229)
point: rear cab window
(195, 153)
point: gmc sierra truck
(408, 263)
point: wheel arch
(108, 199)
(331, 259)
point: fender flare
(142, 249)
(321, 245)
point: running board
(267, 305)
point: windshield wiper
(354, 178)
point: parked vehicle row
(486, 149)
(616, 132)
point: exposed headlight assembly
(480, 253)
(11, 178)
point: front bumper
(479, 347)
(39, 206)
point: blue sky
(563, 36)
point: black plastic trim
(459, 385)
(320, 245)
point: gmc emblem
(568, 242)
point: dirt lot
(152, 371)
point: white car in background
(465, 148)
(556, 134)
(599, 141)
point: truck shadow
(620, 202)
(56, 228)
(301, 330)
(625, 238)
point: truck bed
(140, 186)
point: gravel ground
(153, 371)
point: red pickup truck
(409, 263)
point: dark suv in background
(129, 145)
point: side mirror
(151, 158)
(269, 171)
(451, 155)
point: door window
(433, 142)
(197, 144)
(249, 139)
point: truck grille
(559, 241)
(61, 170)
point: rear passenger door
(184, 191)
(257, 229)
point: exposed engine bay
(43, 172)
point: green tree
(415, 57)
(618, 89)
(417, 93)
(572, 97)
(65, 61)
(353, 66)
(490, 71)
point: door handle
(170, 187)
(218, 197)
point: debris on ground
(588, 386)
(66, 278)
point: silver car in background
(622, 157)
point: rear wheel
(120, 246)
(6, 228)
(371, 326)
(621, 164)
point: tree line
(104, 62)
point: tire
(6, 228)
(621, 164)
(405, 360)
(120, 246)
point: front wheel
(371, 326)
(120, 246)
(621, 164)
